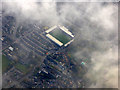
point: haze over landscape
(94, 25)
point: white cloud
(96, 23)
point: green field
(22, 68)
(5, 63)
(61, 36)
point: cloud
(99, 41)
(104, 70)
(94, 25)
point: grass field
(61, 36)
(22, 68)
(5, 63)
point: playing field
(22, 68)
(5, 63)
(60, 35)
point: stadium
(60, 35)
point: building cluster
(38, 59)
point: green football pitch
(61, 36)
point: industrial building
(60, 35)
